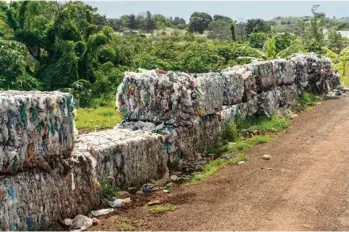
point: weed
(246, 144)
(215, 165)
(162, 209)
(122, 226)
(109, 191)
(304, 101)
(264, 124)
(89, 119)
(231, 132)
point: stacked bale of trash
(191, 110)
(37, 199)
(176, 98)
(124, 157)
(314, 73)
(36, 129)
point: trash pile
(35, 199)
(123, 157)
(191, 110)
(35, 127)
(169, 119)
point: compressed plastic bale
(250, 90)
(176, 98)
(263, 74)
(268, 102)
(209, 93)
(123, 157)
(234, 87)
(335, 79)
(301, 73)
(252, 106)
(313, 73)
(229, 114)
(183, 143)
(36, 129)
(34, 199)
(284, 71)
(288, 96)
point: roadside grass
(215, 165)
(235, 140)
(246, 144)
(91, 119)
(265, 124)
(162, 209)
(345, 80)
(122, 226)
(306, 101)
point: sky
(238, 10)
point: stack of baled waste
(172, 97)
(37, 128)
(124, 158)
(36, 199)
(191, 110)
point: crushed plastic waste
(122, 156)
(180, 99)
(80, 222)
(102, 212)
(119, 203)
(36, 127)
(199, 106)
(148, 188)
(169, 117)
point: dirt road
(306, 188)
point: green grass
(246, 144)
(345, 80)
(89, 119)
(214, 166)
(122, 226)
(305, 101)
(162, 209)
(264, 124)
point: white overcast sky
(234, 9)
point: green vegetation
(215, 165)
(123, 226)
(91, 119)
(162, 209)
(108, 191)
(246, 144)
(304, 101)
(264, 124)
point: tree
(296, 46)
(222, 17)
(14, 67)
(199, 22)
(116, 24)
(161, 21)
(131, 22)
(178, 22)
(232, 30)
(256, 25)
(283, 41)
(270, 45)
(220, 30)
(335, 40)
(257, 39)
(149, 22)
